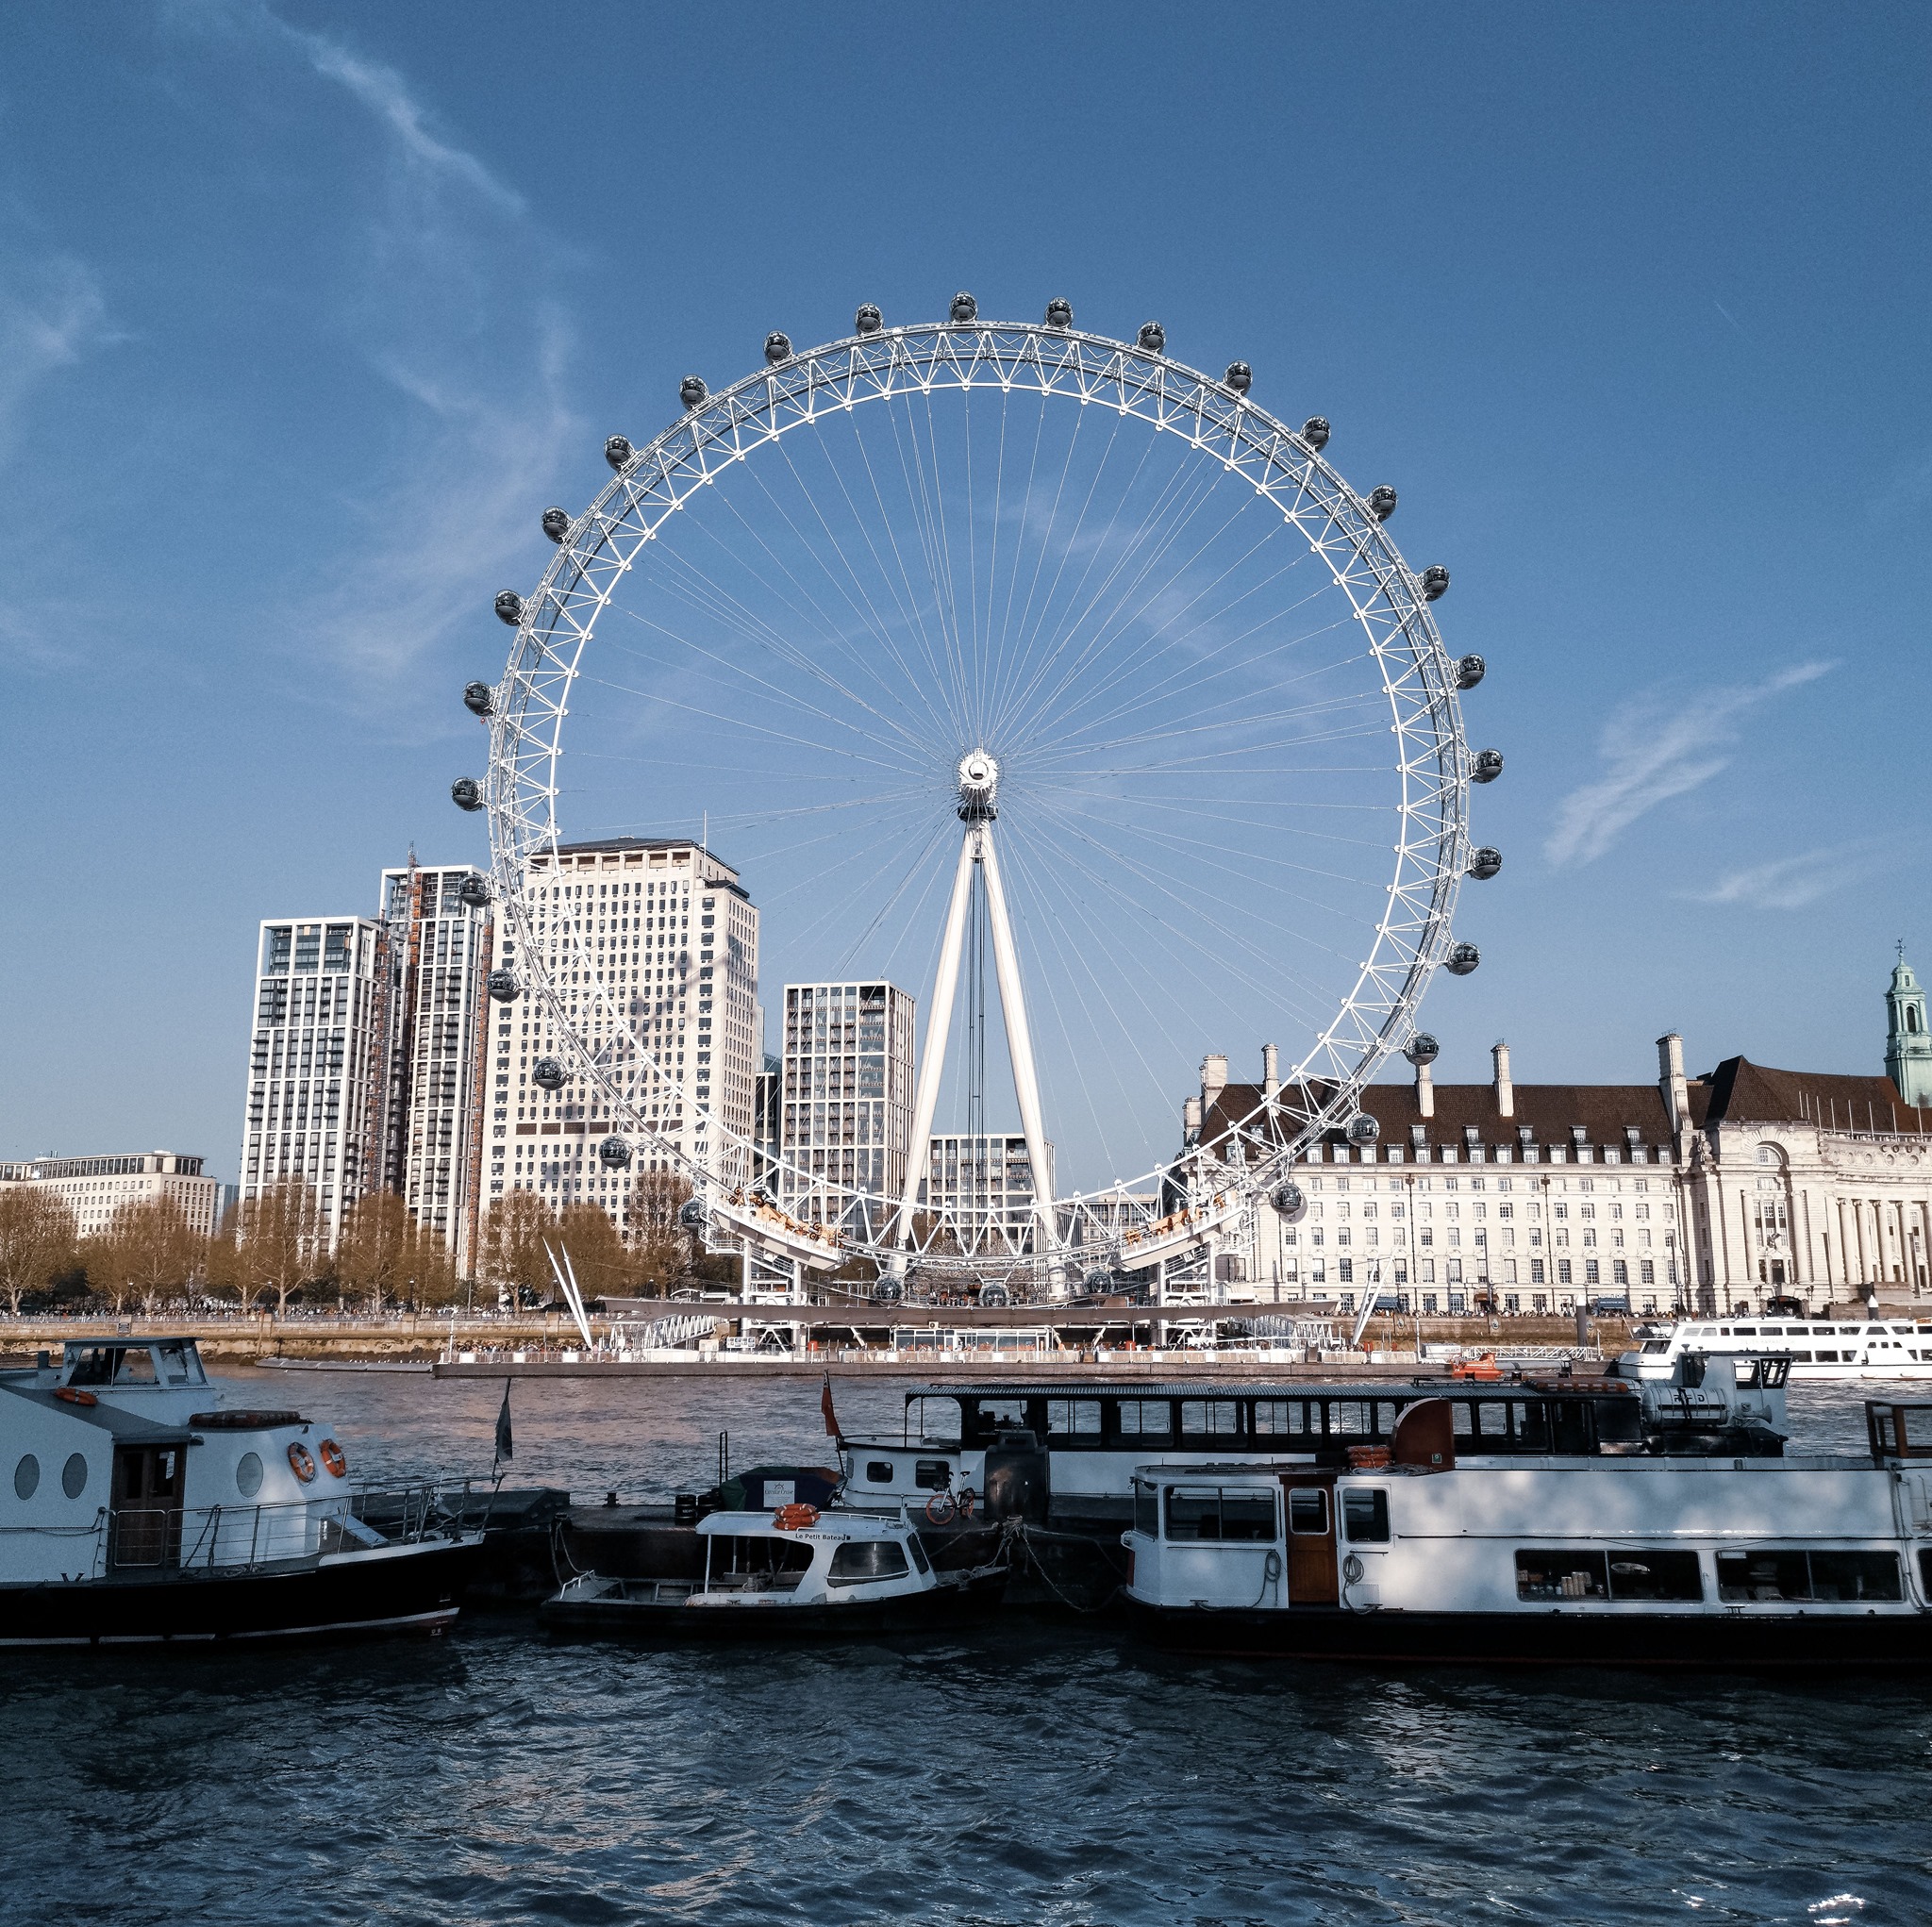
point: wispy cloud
(1790, 883)
(383, 91)
(50, 315)
(1653, 751)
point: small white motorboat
(791, 1574)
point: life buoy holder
(335, 1461)
(300, 1461)
(795, 1518)
(76, 1398)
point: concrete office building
(654, 944)
(95, 1188)
(845, 1100)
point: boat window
(136, 1367)
(93, 1363)
(1493, 1419)
(1146, 1510)
(740, 1556)
(1560, 1575)
(1307, 1509)
(994, 1415)
(180, 1363)
(1349, 1415)
(1657, 1344)
(1146, 1418)
(73, 1476)
(862, 1561)
(26, 1477)
(932, 1474)
(1211, 1418)
(1530, 1427)
(1073, 1418)
(880, 1471)
(1280, 1417)
(1365, 1515)
(248, 1474)
(1206, 1512)
(918, 1551)
(1647, 1574)
(1746, 1577)
(1619, 1422)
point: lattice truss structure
(798, 396)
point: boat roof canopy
(1293, 1389)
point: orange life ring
(76, 1398)
(300, 1462)
(334, 1459)
(795, 1518)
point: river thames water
(1032, 1774)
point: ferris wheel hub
(979, 779)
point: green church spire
(1907, 1042)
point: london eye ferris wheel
(1027, 670)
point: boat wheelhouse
(1781, 1562)
(1066, 1451)
(142, 1501)
(790, 1573)
(1819, 1349)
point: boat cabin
(1068, 1450)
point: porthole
(73, 1476)
(26, 1476)
(248, 1474)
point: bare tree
(36, 1240)
(513, 1239)
(277, 1242)
(148, 1251)
(660, 1246)
(373, 1255)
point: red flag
(831, 1417)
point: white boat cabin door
(144, 1524)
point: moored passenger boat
(791, 1574)
(144, 1503)
(1827, 1349)
(1637, 1559)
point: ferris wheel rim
(725, 429)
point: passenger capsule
(1152, 337)
(466, 793)
(1470, 672)
(964, 308)
(510, 608)
(691, 391)
(549, 1073)
(1363, 1129)
(617, 450)
(994, 1295)
(1315, 432)
(1059, 314)
(778, 347)
(1288, 1198)
(690, 1214)
(1486, 765)
(556, 523)
(614, 1153)
(1462, 960)
(1382, 502)
(868, 320)
(1097, 1281)
(1422, 1049)
(1485, 862)
(472, 892)
(1240, 377)
(479, 699)
(888, 1291)
(1435, 582)
(502, 986)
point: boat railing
(205, 1538)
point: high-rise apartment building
(438, 948)
(318, 1061)
(672, 935)
(846, 1102)
(96, 1188)
(981, 1187)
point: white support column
(1019, 1043)
(938, 1024)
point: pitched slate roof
(1741, 1091)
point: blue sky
(305, 312)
